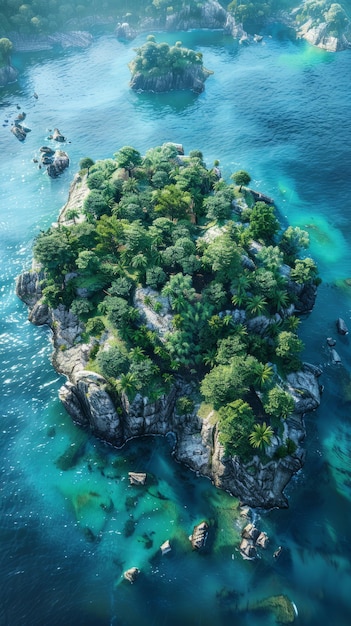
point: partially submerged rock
(131, 574)
(252, 538)
(58, 136)
(19, 132)
(136, 478)
(341, 326)
(60, 162)
(199, 536)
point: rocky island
(160, 67)
(174, 300)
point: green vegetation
(253, 14)
(151, 235)
(5, 51)
(157, 59)
(40, 16)
(325, 11)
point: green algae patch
(326, 241)
(280, 606)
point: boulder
(57, 136)
(277, 552)
(19, 132)
(335, 357)
(262, 540)
(131, 574)
(250, 532)
(192, 78)
(125, 31)
(341, 326)
(8, 74)
(247, 549)
(136, 478)
(199, 536)
(59, 163)
(166, 547)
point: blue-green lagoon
(279, 109)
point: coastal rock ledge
(86, 398)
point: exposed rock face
(78, 191)
(89, 404)
(322, 36)
(192, 78)
(28, 287)
(199, 536)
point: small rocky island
(174, 300)
(159, 67)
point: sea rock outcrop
(199, 535)
(8, 74)
(131, 574)
(60, 161)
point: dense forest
(162, 237)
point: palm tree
(127, 384)
(137, 354)
(280, 299)
(261, 436)
(239, 299)
(262, 373)
(256, 305)
(72, 214)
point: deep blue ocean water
(281, 110)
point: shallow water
(279, 109)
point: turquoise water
(68, 530)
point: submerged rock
(282, 608)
